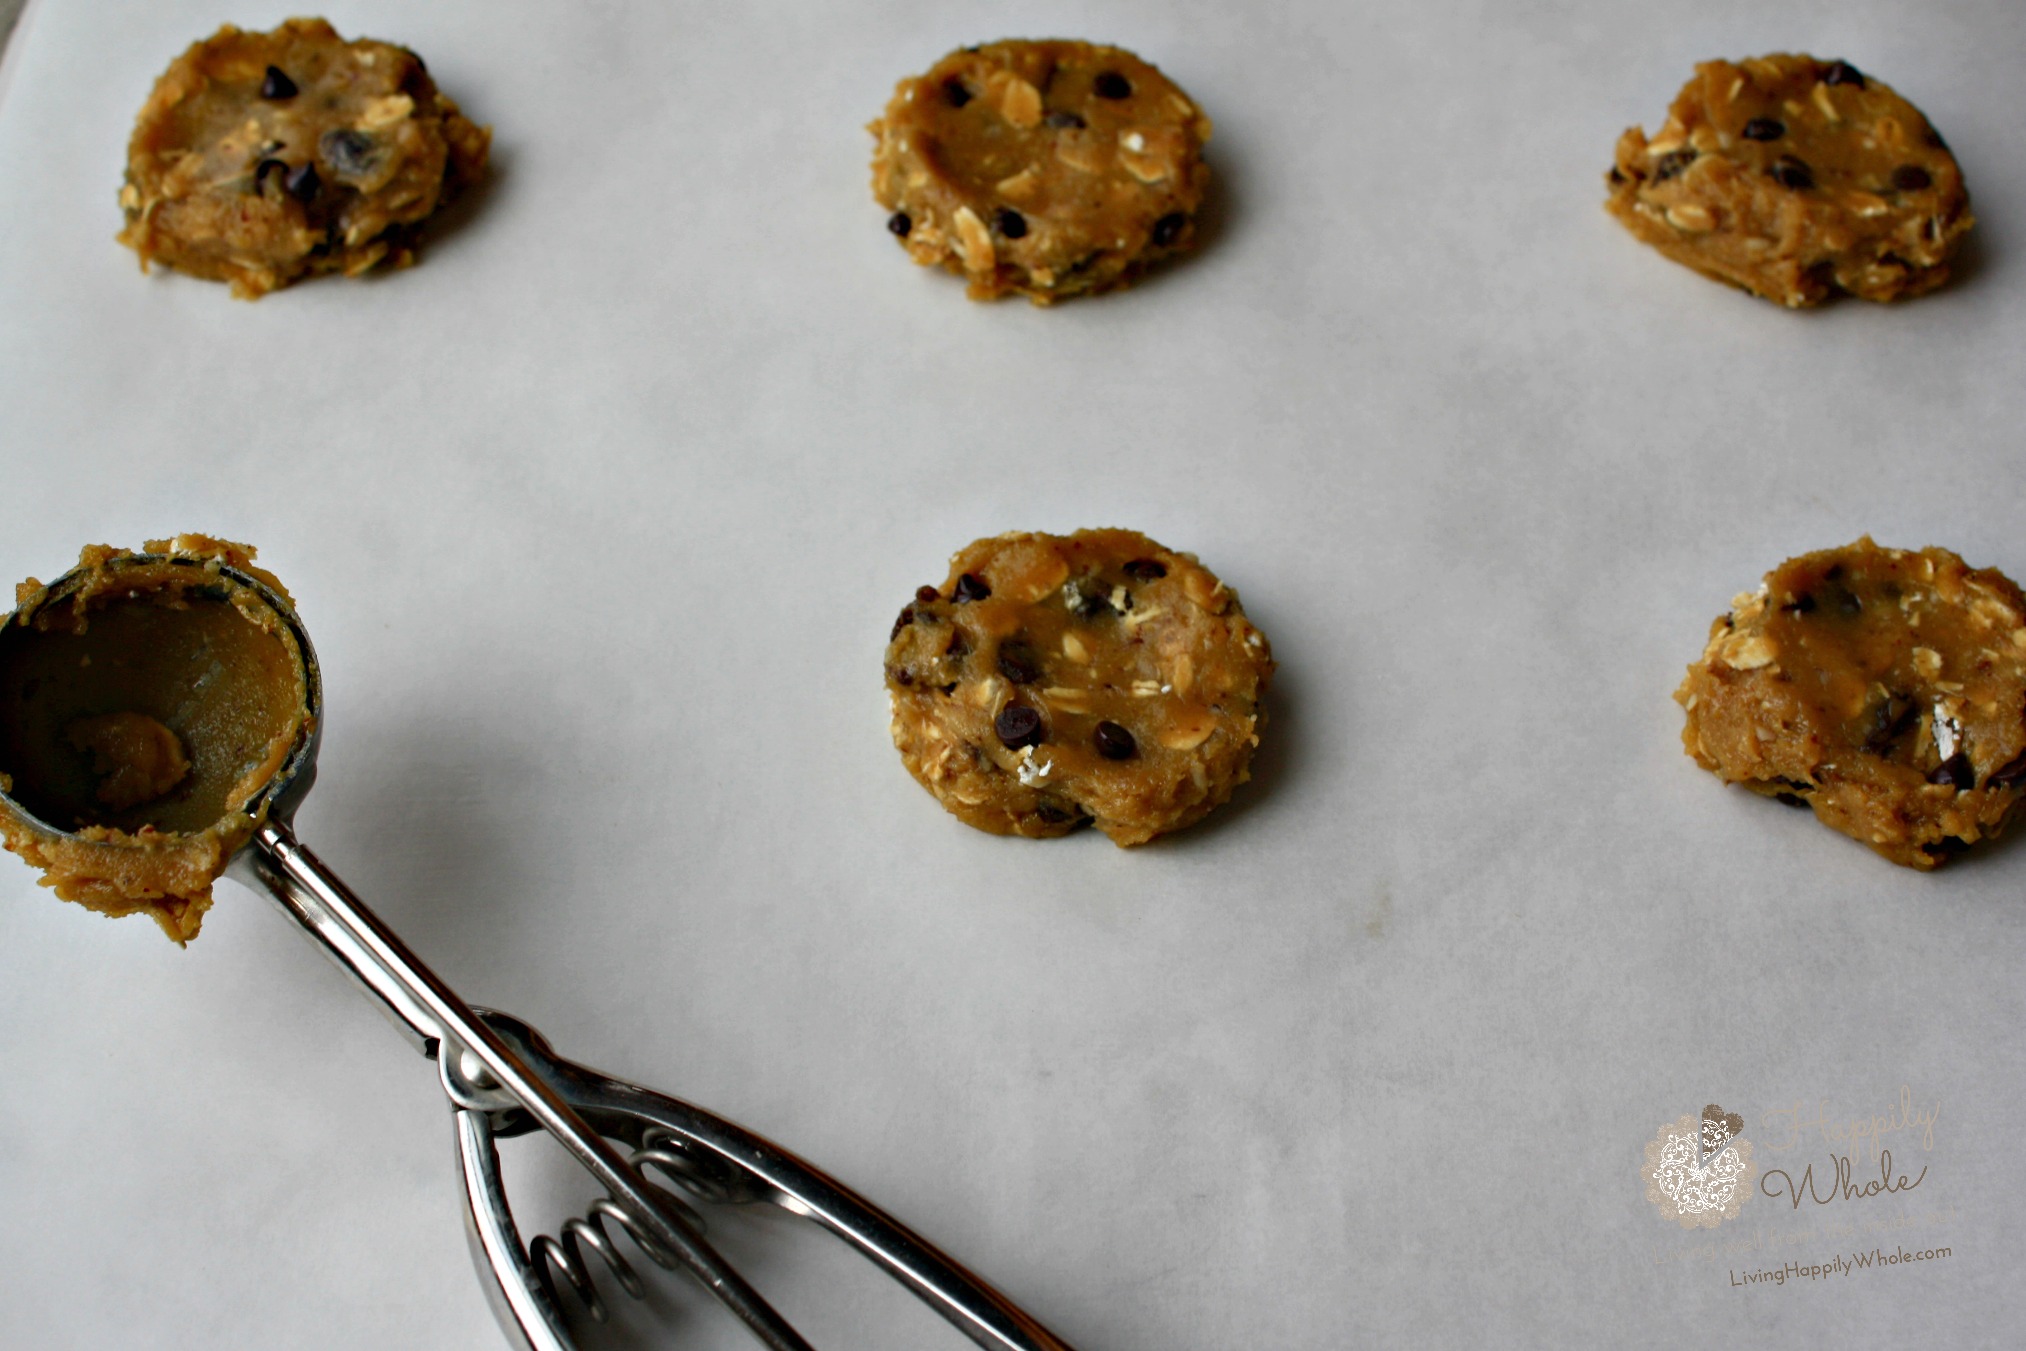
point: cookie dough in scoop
(148, 702)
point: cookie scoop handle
(503, 1079)
(718, 1161)
(491, 1075)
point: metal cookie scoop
(501, 1076)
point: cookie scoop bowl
(181, 669)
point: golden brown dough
(135, 757)
(1050, 168)
(1884, 688)
(147, 701)
(1795, 178)
(1058, 681)
(261, 158)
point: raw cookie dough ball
(261, 158)
(1058, 681)
(1884, 688)
(1795, 178)
(1050, 168)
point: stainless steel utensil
(503, 1080)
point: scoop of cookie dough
(1051, 168)
(1054, 682)
(1795, 178)
(261, 158)
(147, 703)
(1884, 688)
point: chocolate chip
(902, 676)
(302, 183)
(971, 586)
(1789, 172)
(1764, 129)
(2011, 776)
(1168, 229)
(1955, 770)
(959, 648)
(264, 168)
(352, 153)
(907, 617)
(276, 86)
(1672, 163)
(1093, 604)
(1113, 742)
(1615, 176)
(1064, 121)
(1911, 178)
(927, 594)
(1052, 813)
(956, 93)
(1800, 605)
(1789, 800)
(1891, 718)
(1018, 662)
(1011, 223)
(900, 223)
(1017, 726)
(1146, 569)
(1842, 72)
(1111, 85)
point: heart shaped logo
(1719, 1128)
(1698, 1171)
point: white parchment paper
(599, 518)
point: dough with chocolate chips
(1795, 178)
(1054, 682)
(1884, 688)
(1050, 168)
(261, 158)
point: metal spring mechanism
(660, 1149)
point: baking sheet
(599, 518)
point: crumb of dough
(136, 758)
